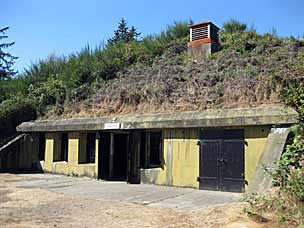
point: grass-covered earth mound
(156, 74)
(250, 70)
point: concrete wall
(20, 154)
(181, 156)
(77, 148)
(181, 160)
(199, 52)
(276, 142)
(256, 138)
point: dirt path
(28, 207)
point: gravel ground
(35, 207)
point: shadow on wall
(20, 154)
(250, 132)
(256, 132)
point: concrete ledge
(271, 115)
(63, 167)
(149, 176)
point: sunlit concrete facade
(76, 150)
(179, 160)
(181, 156)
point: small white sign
(112, 126)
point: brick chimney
(203, 40)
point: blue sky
(44, 27)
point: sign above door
(112, 126)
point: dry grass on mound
(234, 77)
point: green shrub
(15, 111)
(177, 30)
(293, 96)
(234, 26)
(288, 175)
(50, 92)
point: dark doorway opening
(134, 157)
(113, 156)
(222, 160)
(41, 146)
(120, 157)
(91, 140)
(143, 154)
(104, 155)
(64, 147)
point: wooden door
(222, 160)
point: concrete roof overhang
(268, 115)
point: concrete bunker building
(221, 149)
(214, 149)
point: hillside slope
(250, 70)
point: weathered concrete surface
(76, 151)
(180, 160)
(261, 182)
(150, 195)
(19, 153)
(199, 52)
(210, 118)
(180, 156)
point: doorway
(113, 156)
(120, 157)
(222, 160)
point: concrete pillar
(49, 152)
(73, 148)
(111, 160)
(97, 165)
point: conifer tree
(6, 59)
(123, 33)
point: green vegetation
(51, 85)
(288, 177)
(123, 33)
(234, 26)
(6, 59)
(155, 75)
(13, 112)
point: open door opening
(120, 157)
(113, 156)
(104, 155)
(134, 157)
